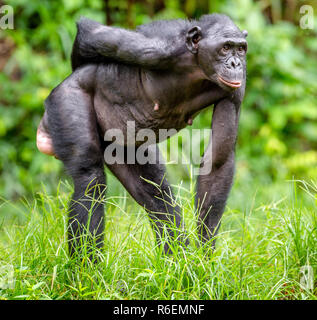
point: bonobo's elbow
(86, 25)
(82, 53)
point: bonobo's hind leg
(73, 129)
(147, 183)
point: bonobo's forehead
(224, 31)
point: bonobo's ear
(245, 33)
(192, 38)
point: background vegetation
(277, 142)
(278, 131)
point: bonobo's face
(221, 54)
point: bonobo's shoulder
(85, 75)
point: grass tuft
(260, 252)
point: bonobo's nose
(234, 63)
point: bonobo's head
(220, 48)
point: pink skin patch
(44, 143)
(156, 106)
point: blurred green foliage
(278, 128)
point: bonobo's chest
(152, 100)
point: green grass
(259, 252)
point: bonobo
(159, 76)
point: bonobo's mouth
(232, 84)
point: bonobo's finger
(44, 142)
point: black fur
(119, 75)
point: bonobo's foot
(44, 142)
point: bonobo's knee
(221, 158)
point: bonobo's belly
(127, 96)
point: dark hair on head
(208, 20)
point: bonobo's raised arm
(98, 43)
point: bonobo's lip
(232, 84)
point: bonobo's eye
(226, 48)
(242, 49)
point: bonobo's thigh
(156, 197)
(73, 128)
